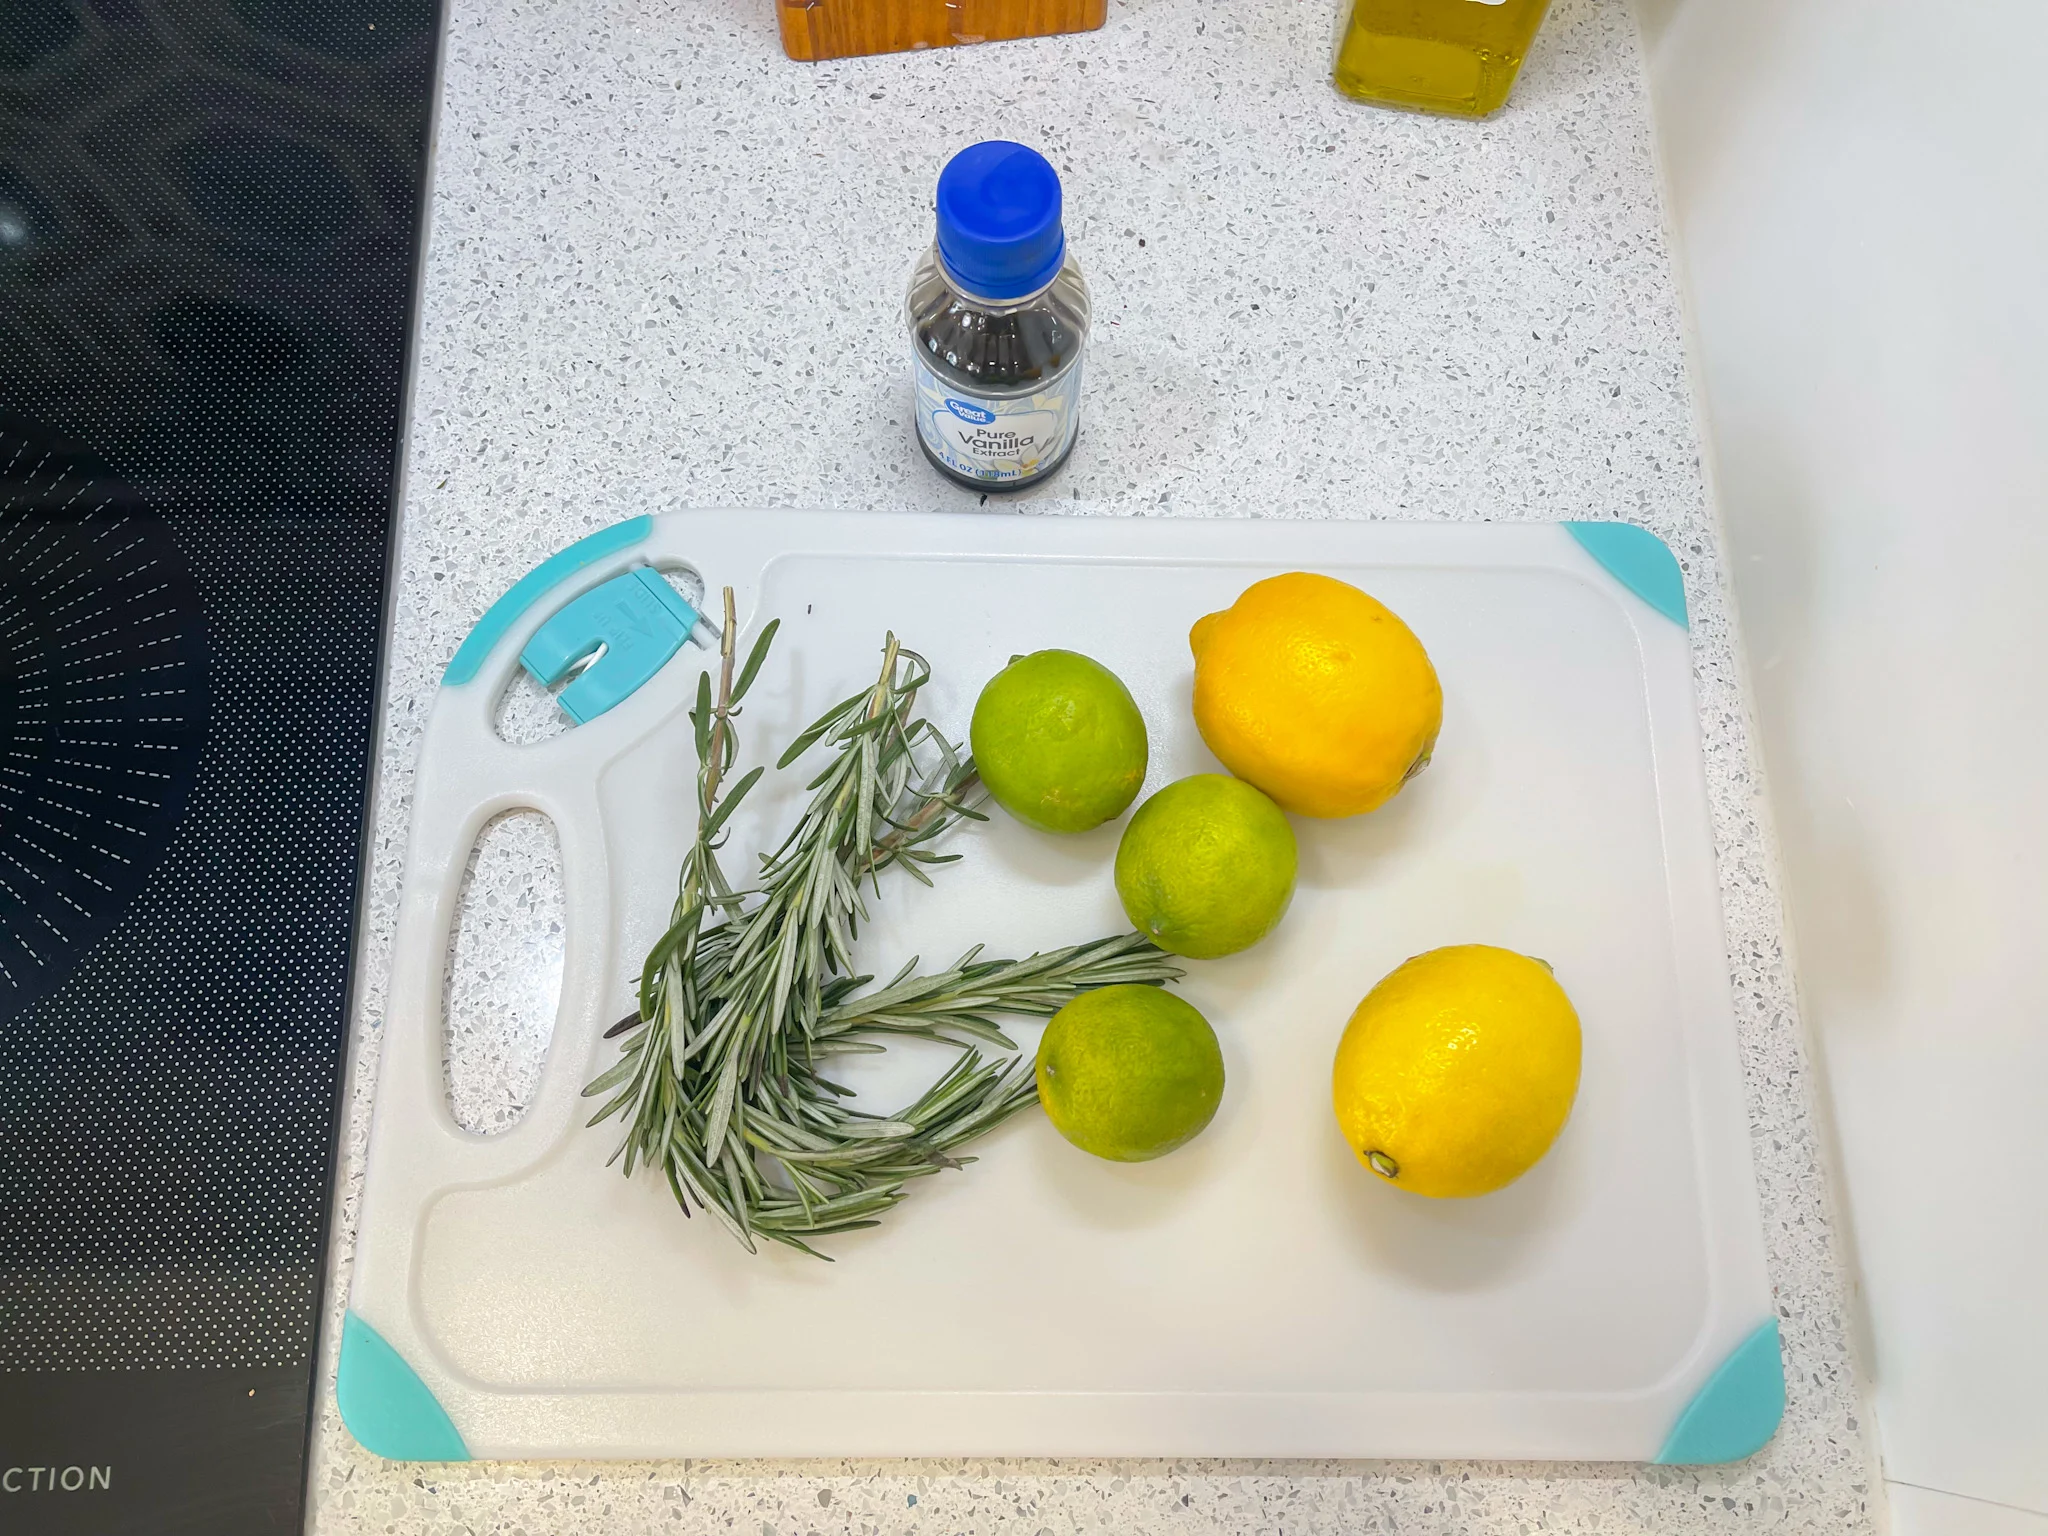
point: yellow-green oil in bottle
(1453, 56)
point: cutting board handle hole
(526, 712)
(502, 982)
(688, 584)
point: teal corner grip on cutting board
(1640, 561)
(535, 584)
(1737, 1411)
(386, 1407)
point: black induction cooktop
(210, 224)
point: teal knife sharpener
(619, 634)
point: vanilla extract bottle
(998, 313)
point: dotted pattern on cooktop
(209, 213)
(102, 706)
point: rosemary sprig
(749, 991)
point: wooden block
(838, 29)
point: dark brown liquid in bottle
(996, 353)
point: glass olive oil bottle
(1453, 56)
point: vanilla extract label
(993, 439)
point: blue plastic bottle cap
(999, 220)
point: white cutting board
(1255, 1294)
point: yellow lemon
(1458, 1070)
(1316, 693)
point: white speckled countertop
(666, 269)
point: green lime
(1059, 741)
(1206, 867)
(1129, 1073)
